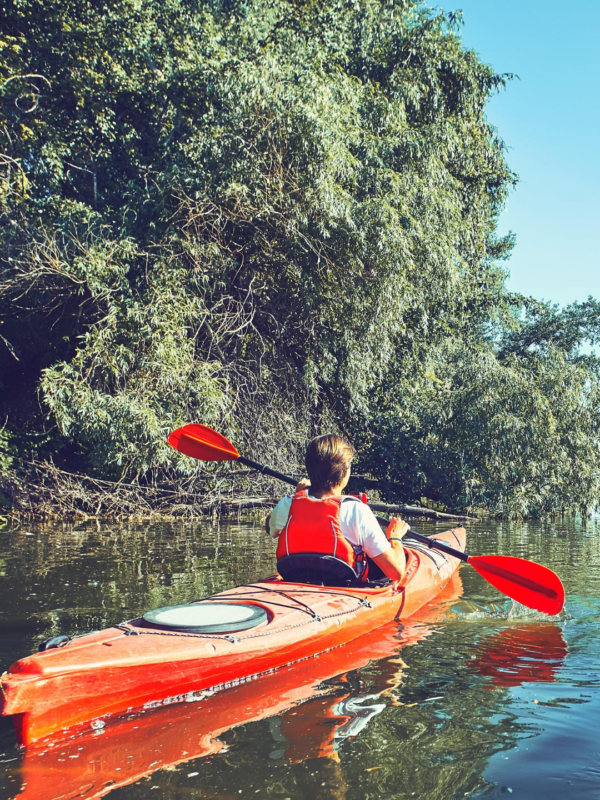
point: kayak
(143, 663)
(313, 719)
(166, 656)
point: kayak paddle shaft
(433, 543)
(266, 470)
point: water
(479, 699)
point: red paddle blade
(525, 581)
(201, 442)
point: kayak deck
(131, 667)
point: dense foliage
(276, 218)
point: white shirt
(357, 523)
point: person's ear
(346, 478)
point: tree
(266, 216)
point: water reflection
(312, 711)
(521, 654)
(469, 700)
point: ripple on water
(489, 699)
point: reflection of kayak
(295, 698)
(131, 666)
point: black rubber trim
(455, 536)
(54, 642)
(258, 616)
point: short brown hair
(327, 460)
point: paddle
(525, 581)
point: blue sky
(550, 120)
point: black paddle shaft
(267, 470)
(432, 543)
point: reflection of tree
(321, 777)
(72, 579)
(440, 747)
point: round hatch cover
(205, 617)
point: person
(320, 519)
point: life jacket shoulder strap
(304, 493)
(360, 498)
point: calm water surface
(477, 699)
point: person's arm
(393, 561)
(387, 554)
(277, 519)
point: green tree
(271, 217)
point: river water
(476, 697)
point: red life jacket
(313, 526)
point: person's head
(328, 460)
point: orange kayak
(143, 663)
(90, 766)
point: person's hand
(397, 528)
(302, 484)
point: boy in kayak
(319, 520)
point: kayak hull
(296, 697)
(130, 667)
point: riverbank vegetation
(277, 218)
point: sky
(550, 120)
